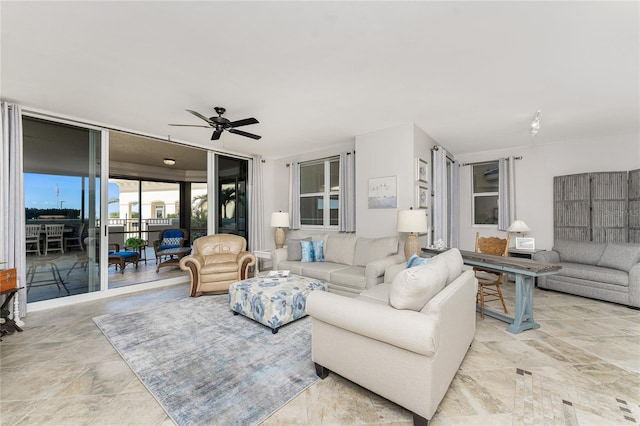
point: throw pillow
(414, 287)
(620, 256)
(294, 248)
(416, 260)
(312, 251)
(173, 242)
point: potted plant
(135, 242)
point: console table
(9, 324)
(525, 270)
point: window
(320, 192)
(158, 210)
(484, 179)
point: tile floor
(582, 367)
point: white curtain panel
(256, 215)
(347, 222)
(506, 193)
(440, 192)
(454, 213)
(294, 195)
(12, 218)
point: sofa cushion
(294, 248)
(312, 251)
(321, 270)
(416, 260)
(370, 249)
(579, 251)
(340, 249)
(453, 261)
(414, 287)
(620, 256)
(594, 273)
(352, 276)
(294, 266)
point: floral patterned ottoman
(273, 304)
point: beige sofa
(351, 263)
(403, 340)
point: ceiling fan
(221, 124)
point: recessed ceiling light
(169, 161)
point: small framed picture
(422, 170)
(422, 197)
(525, 244)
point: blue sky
(52, 191)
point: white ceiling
(471, 74)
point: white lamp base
(279, 237)
(411, 245)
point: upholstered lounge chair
(170, 238)
(217, 261)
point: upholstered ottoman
(270, 303)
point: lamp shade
(280, 219)
(412, 221)
(518, 226)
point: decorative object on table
(422, 170)
(217, 261)
(382, 193)
(237, 386)
(519, 228)
(489, 281)
(279, 220)
(413, 222)
(439, 244)
(525, 243)
(422, 196)
(278, 276)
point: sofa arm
(546, 256)
(277, 256)
(634, 286)
(409, 330)
(195, 260)
(374, 270)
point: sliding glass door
(231, 184)
(62, 208)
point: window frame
(326, 194)
(475, 195)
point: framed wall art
(422, 170)
(525, 244)
(422, 197)
(382, 193)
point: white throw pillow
(414, 287)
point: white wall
(534, 179)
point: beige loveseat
(403, 340)
(351, 263)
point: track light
(535, 124)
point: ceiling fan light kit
(220, 124)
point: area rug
(206, 366)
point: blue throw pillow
(312, 251)
(416, 260)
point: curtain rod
(322, 159)
(488, 161)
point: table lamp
(413, 222)
(519, 228)
(280, 220)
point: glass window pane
(312, 178)
(334, 174)
(486, 210)
(199, 208)
(334, 208)
(485, 177)
(311, 211)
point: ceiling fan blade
(241, 133)
(190, 125)
(197, 114)
(216, 135)
(244, 122)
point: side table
(261, 254)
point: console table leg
(523, 319)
